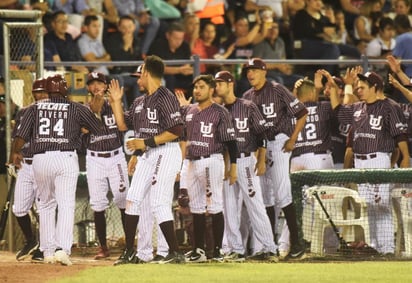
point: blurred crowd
(129, 30)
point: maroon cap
(373, 79)
(339, 82)
(95, 76)
(39, 85)
(255, 63)
(224, 76)
(138, 72)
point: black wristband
(138, 152)
(150, 142)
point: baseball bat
(5, 212)
(343, 246)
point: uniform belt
(198, 157)
(28, 161)
(321, 152)
(104, 154)
(366, 156)
(61, 150)
(243, 154)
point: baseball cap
(255, 63)
(95, 76)
(372, 78)
(39, 85)
(339, 82)
(224, 76)
(138, 72)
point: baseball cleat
(27, 250)
(128, 256)
(173, 257)
(157, 259)
(218, 255)
(264, 256)
(38, 256)
(197, 255)
(296, 252)
(62, 257)
(102, 253)
(234, 257)
(49, 259)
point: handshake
(183, 198)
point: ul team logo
(376, 123)
(344, 129)
(269, 111)
(152, 116)
(206, 130)
(109, 121)
(242, 125)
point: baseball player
(209, 129)
(278, 106)
(25, 189)
(158, 124)
(377, 127)
(250, 127)
(53, 127)
(146, 221)
(106, 164)
(313, 146)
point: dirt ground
(12, 271)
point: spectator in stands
(214, 12)
(192, 29)
(61, 41)
(76, 10)
(382, 45)
(144, 21)
(173, 47)
(123, 45)
(366, 22)
(316, 34)
(91, 48)
(273, 47)
(204, 47)
(401, 7)
(403, 45)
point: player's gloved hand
(183, 198)
(11, 170)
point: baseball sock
(199, 225)
(218, 224)
(25, 226)
(123, 217)
(100, 223)
(290, 216)
(170, 235)
(130, 224)
(270, 211)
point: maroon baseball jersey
(315, 136)
(55, 123)
(278, 105)
(375, 126)
(207, 130)
(151, 115)
(27, 150)
(407, 112)
(248, 123)
(109, 138)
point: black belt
(243, 154)
(198, 157)
(321, 152)
(61, 150)
(365, 156)
(104, 154)
(28, 161)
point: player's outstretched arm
(115, 95)
(400, 87)
(395, 66)
(290, 143)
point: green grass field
(384, 271)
